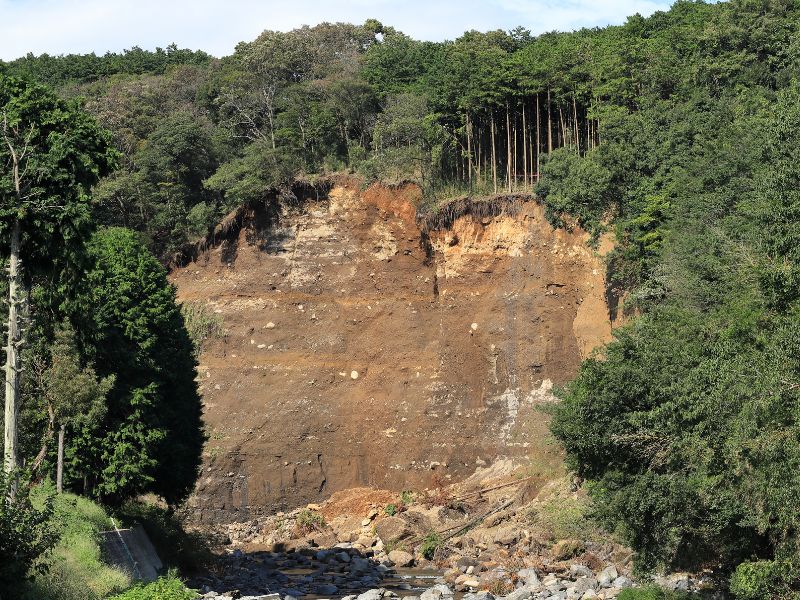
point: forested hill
(680, 132)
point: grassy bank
(75, 569)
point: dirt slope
(357, 355)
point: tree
(51, 154)
(71, 394)
(26, 533)
(151, 437)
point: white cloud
(64, 26)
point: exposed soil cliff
(363, 347)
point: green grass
(562, 514)
(652, 592)
(168, 587)
(75, 570)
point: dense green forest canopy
(678, 133)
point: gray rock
(580, 571)
(478, 596)
(522, 593)
(621, 583)
(528, 577)
(343, 557)
(327, 589)
(391, 528)
(607, 575)
(371, 595)
(437, 592)
(585, 583)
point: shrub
(201, 324)
(308, 521)
(753, 580)
(26, 532)
(430, 544)
(391, 510)
(168, 587)
(651, 592)
(407, 497)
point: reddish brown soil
(350, 360)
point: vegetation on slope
(679, 131)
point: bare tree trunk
(563, 126)
(538, 136)
(508, 147)
(575, 118)
(524, 147)
(478, 157)
(60, 463)
(494, 158)
(12, 367)
(469, 152)
(516, 151)
(549, 125)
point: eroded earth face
(351, 358)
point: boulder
(391, 529)
(582, 584)
(327, 589)
(528, 577)
(371, 595)
(607, 575)
(401, 558)
(523, 593)
(580, 571)
(621, 583)
(478, 596)
(437, 592)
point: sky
(216, 26)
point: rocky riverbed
(349, 574)
(500, 537)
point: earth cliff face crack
(338, 286)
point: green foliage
(561, 515)
(26, 532)
(79, 68)
(652, 592)
(687, 424)
(62, 152)
(407, 497)
(152, 437)
(753, 580)
(168, 587)
(309, 520)
(577, 187)
(391, 509)
(430, 544)
(75, 569)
